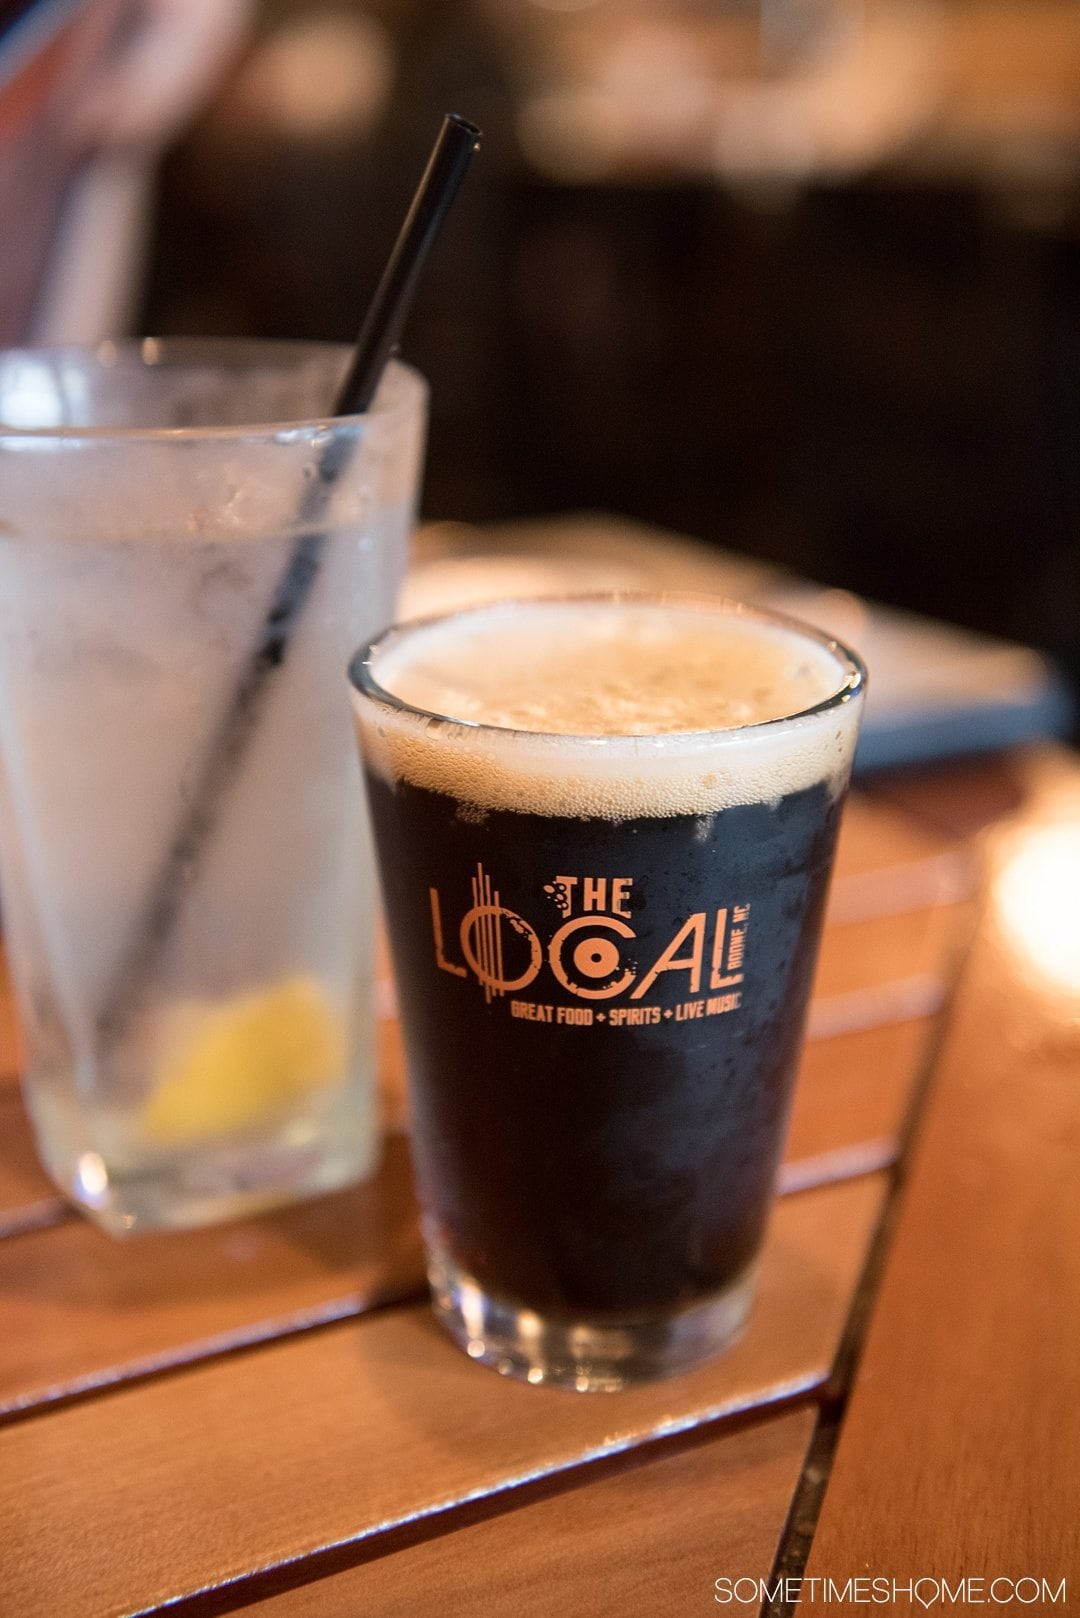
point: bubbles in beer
(600, 669)
(611, 709)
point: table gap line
(192, 1356)
(42, 1214)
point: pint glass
(186, 882)
(605, 831)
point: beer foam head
(612, 708)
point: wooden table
(264, 1416)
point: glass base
(600, 1356)
(209, 1187)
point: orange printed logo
(594, 952)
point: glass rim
(148, 354)
(362, 675)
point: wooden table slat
(875, 835)
(23, 1181)
(652, 1539)
(854, 1090)
(82, 1310)
(865, 954)
(262, 1458)
(9, 1031)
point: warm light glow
(1037, 892)
(318, 76)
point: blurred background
(798, 277)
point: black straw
(456, 143)
(379, 334)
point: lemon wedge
(233, 1066)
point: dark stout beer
(603, 947)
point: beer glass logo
(482, 932)
(593, 953)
